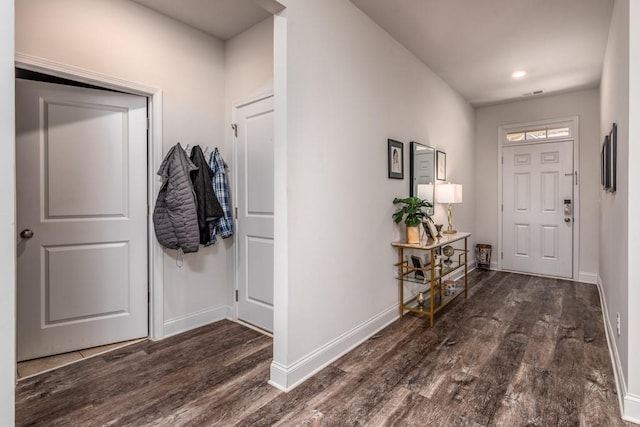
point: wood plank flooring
(37, 366)
(521, 351)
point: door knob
(26, 234)
(567, 220)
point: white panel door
(537, 233)
(82, 197)
(255, 212)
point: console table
(430, 277)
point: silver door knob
(26, 234)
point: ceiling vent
(535, 92)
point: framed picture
(608, 160)
(603, 162)
(429, 229)
(613, 157)
(441, 165)
(432, 229)
(606, 164)
(395, 159)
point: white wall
(249, 63)
(614, 219)
(584, 104)
(122, 39)
(350, 86)
(633, 323)
(7, 218)
(619, 228)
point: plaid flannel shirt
(223, 225)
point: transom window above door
(538, 132)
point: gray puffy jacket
(174, 217)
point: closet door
(255, 200)
(81, 216)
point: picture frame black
(395, 159)
(609, 160)
(603, 163)
(417, 263)
(441, 165)
(613, 157)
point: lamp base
(449, 229)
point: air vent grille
(535, 92)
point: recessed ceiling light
(518, 74)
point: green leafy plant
(412, 209)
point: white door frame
(154, 95)
(573, 124)
(234, 141)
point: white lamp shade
(449, 193)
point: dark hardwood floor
(521, 351)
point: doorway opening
(538, 198)
(60, 73)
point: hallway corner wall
(619, 229)
(349, 87)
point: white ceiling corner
(222, 19)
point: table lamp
(449, 193)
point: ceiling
(222, 19)
(474, 45)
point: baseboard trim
(631, 408)
(278, 376)
(286, 378)
(194, 320)
(621, 386)
(585, 277)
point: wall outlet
(618, 323)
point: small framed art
(613, 157)
(605, 175)
(395, 159)
(609, 160)
(441, 165)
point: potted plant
(413, 210)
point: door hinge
(501, 255)
(234, 126)
(148, 123)
(236, 210)
(236, 295)
(502, 160)
(501, 208)
(148, 297)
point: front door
(255, 200)
(81, 216)
(537, 229)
